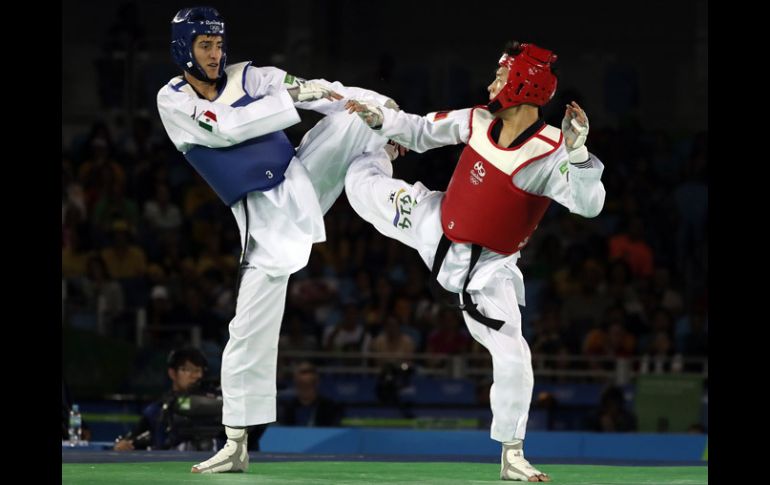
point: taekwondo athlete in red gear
(512, 167)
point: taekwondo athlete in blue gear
(228, 121)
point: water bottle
(75, 427)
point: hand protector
(575, 127)
(368, 111)
(392, 105)
(311, 91)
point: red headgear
(530, 79)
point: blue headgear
(188, 23)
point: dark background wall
(624, 60)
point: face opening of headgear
(189, 23)
(530, 78)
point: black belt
(452, 299)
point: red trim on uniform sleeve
(441, 115)
(470, 124)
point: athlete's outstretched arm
(418, 133)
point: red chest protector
(481, 205)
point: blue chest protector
(256, 164)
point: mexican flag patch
(207, 120)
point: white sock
(234, 433)
(515, 444)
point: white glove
(575, 129)
(311, 91)
(370, 112)
(392, 105)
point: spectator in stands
(348, 334)
(309, 407)
(141, 140)
(393, 341)
(449, 338)
(610, 339)
(549, 336)
(631, 247)
(296, 337)
(160, 212)
(124, 260)
(211, 256)
(99, 170)
(113, 206)
(612, 415)
(100, 291)
(669, 297)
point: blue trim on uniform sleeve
(245, 100)
(243, 80)
(178, 86)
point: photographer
(185, 418)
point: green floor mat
(371, 473)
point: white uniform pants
(411, 214)
(250, 356)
